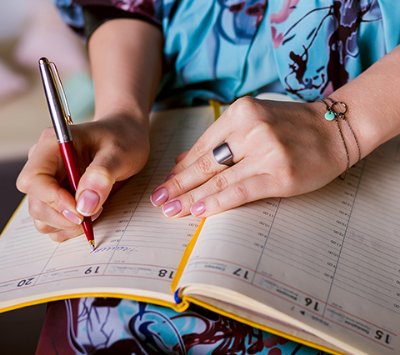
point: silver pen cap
(56, 100)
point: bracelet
(336, 111)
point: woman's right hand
(109, 150)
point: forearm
(126, 64)
(374, 102)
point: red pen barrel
(70, 159)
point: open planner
(321, 268)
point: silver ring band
(223, 154)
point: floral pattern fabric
(224, 49)
(113, 326)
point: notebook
(322, 268)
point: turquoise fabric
(225, 49)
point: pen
(61, 119)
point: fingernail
(172, 208)
(72, 217)
(159, 196)
(197, 208)
(87, 202)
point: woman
(182, 53)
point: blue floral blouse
(224, 49)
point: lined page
(137, 247)
(329, 258)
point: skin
(280, 148)
(278, 157)
(114, 146)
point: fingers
(234, 195)
(120, 149)
(98, 180)
(230, 126)
(216, 134)
(58, 235)
(197, 166)
(180, 157)
(58, 226)
(201, 170)
(67, 221)
(212, 197)
(201, 186)
(40, 177)
(204, 168)
(57, 219)
(109, 150)
(52, 206)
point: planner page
(328, 260)
(137, 247)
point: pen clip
(61, 93)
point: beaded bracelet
(338, 115)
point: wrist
(123, 109)
(373, 106)
(368, 131)
(342, 151)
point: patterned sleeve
(85, 16)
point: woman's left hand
(279, 149)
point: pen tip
(92, 245)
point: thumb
(96, 183)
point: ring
(223, 154)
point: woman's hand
(279, 149)
(109, 150)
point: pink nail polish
(198, 208)
(72, 217)
(159, 196)
(87, 202)
(172, 208)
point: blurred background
(30, 30)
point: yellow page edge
(185, 257)
(190, 300)
(215, 105)
(176, 307)
(12, 217)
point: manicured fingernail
(87, 202)
(72, 217)
(159, 196)
(172, 208)
(197, 208)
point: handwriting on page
(134, 240)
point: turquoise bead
(330, 115)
